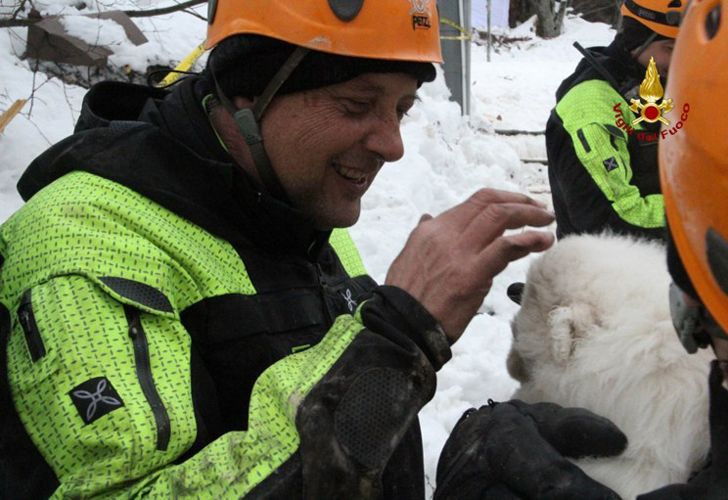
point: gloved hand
(515, 450)
(712, 482)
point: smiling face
(328, 144)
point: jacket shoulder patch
(95, 398)
(610, 163)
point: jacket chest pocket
(237, 337)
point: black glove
(515, 450)
(712, 482)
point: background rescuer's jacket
(601, 176)
(167, 330)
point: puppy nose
(514, 291)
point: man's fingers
(460, 215)
(487, 196)
(443, 264)
(506, 249)
(498, 217)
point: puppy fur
(594, 331)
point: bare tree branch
(15, 23)
(164, 10)
(12, 23)
(195, 14)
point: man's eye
(355, 107)
(402, 112)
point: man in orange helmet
(602, 167)
(183, 314)
(694, 178)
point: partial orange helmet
(661, 16)
(693, 153)
(406, 30)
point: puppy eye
(515, 292)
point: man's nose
(385, 139)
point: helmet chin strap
(639, 50)
(248, 122)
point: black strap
(667, 18)
(598, 66)
(235, 316)
(261, 103)
(248, 127)
(248, 122)
(636, 53)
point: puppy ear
(567, 324)
(560, 326)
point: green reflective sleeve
(608, 164)
(588, 116)
(85, 336)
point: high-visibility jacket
(603, 173)
(169, 331)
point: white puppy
(594, 331)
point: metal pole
(463, 59)
(489, 40)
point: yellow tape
(10, 113)
(465, 35)
(184, 65)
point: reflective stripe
(347, 252)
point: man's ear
(567, 324)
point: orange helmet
(693, 154)
(394, 30)
(661, 16)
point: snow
(447, 158)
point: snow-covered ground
(447, 158)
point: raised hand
(449, 261)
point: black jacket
(161, 145)
(601, 176)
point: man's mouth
(351, 174)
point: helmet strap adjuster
(248, 122)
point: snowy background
(447, 158)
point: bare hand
(449, 262)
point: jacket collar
(172, 156)
(268, 221)
(615, 59)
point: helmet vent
(712, 22)
(673, 17)
(346, 10)
(717, 249)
